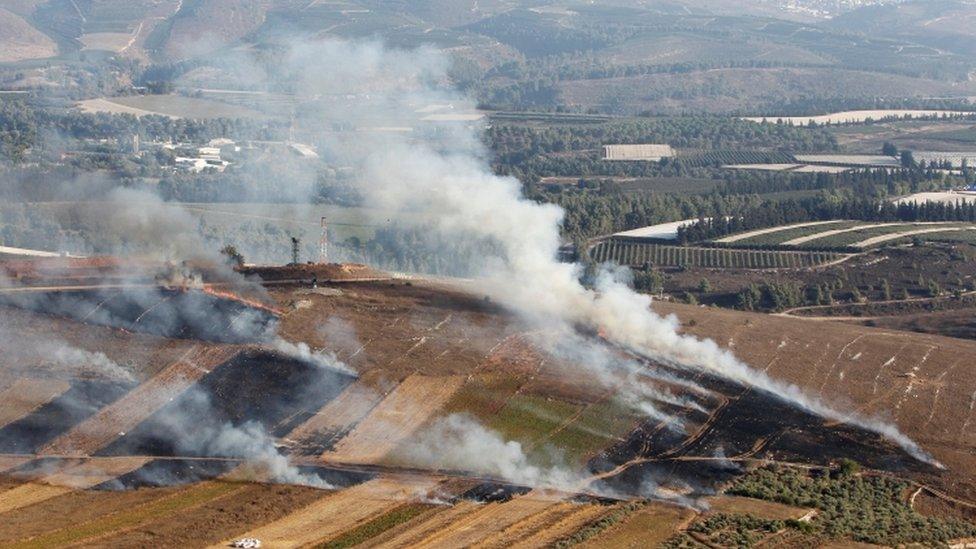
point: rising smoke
(437, 179)
(444, 180)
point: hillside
(20, 41)
(433, 369)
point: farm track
(138, 404)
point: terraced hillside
(428, 356)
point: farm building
(648, 152)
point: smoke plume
(443, 179)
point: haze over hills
(530, 273)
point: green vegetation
(643, 254)
(869, 509)
(726, 530)
(376, 526)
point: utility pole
(294, 250)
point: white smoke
(446, 182)
(78, 360)
(459, 442)
(301, 351)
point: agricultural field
(639, 254)
(841, 234)
(857, 117)
(945, 197)
(727, 157)
(450, 357)
(867, 235)
(173, 106)
(851, 160)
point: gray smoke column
(442, 177)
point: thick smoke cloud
(442, 178)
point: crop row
(728, 157)
(639, 254)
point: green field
(779, 237)
(853, 237)
(639, 254)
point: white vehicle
(247, 543)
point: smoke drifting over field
(437, 178)
(443, 176)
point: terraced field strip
(636, 253)
(417, 399)
(95, 471)
(578, 517)
(489, 521)
(339, 415)
(750, 234)
(28, 494)
(856, 228)
(410, 537)
(875, 240)
(88, 532)
(338, 512)
(127, 412)
(27, 395)
(546, 528)
(647, 527)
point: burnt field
(154, 310)
(204, 407)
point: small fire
(211, 289)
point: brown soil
(72, 508)
(648, 527)
(337, 512)
(919, 382)
(222, 518)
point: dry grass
(126, 413)
(129, 518)
(27, 395)
(396, 418)
(647, 527)
(28, 494)
(95, 471)
(338, 512)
